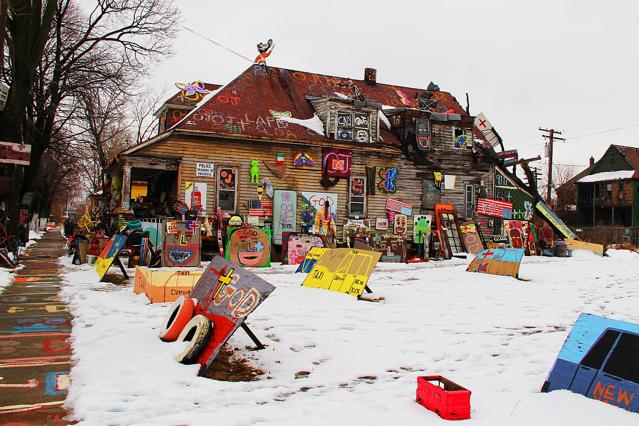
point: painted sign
(311, 259)
(423, 134)
(506, 190)
(483, 125)
(400, 225)
(205, 170)
(15, 153)
(599, 360)
(336, 162)
(421, 227)
(392, 247)
(388, 176)
(381, 224)
(554, 221)
(165, 284)
(343, 270)
(430, 194)
(226, 294)
(284, 213)
(113, 247)
(302, 158)
(248, 246)
(472, 239)
(182, 244)
(312, 202)
(399, 206)
(494, 208)
(580, 245)
(498, 261)
(195, 197)
(517, 237)
(298, 246)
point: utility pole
(550, 136)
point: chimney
(370, 76)
(592, 161)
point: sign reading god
(226, 294)
(343, 270)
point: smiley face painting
(250, 247)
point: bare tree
(114, 43)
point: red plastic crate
(446, 398)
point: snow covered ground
(5, 278)
(494, 335)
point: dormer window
(353, 126)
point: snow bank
(600, 177)
(5, 278)
(495, 335)
(314, 123)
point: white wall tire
(197, 333)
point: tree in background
(113, 44)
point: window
(469, 201)
(227, 188)
(623, 361)
(353, 126)
(609, 190)
(449, 224)
(357, 197)
(461, 139)
(599, 351)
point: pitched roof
(631, 154)
(246, 107)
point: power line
(604, 131)
(216, 43)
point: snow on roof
(603, 176)
(314, 123)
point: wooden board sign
(226, 294)
(499, 261)
(105, 260)
(343, 270)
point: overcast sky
(571, 65)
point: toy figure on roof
(355, 92)
(193, 92)
(264, 50)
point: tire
(196, 333)
(179, 315)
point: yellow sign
(580, 245)
(104, 261)
(343, 270)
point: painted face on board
(249, 247)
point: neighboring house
(607, 194)
(268, 116)
(566, 202)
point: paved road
(34, 351)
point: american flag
(260, 208)
(494, 208)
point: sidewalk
(34, 328)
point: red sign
(226, 294)
(15, 153)
(494, 208)
(337, 162)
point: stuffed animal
(255, 171)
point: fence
(609, 234)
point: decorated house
(371, 150)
